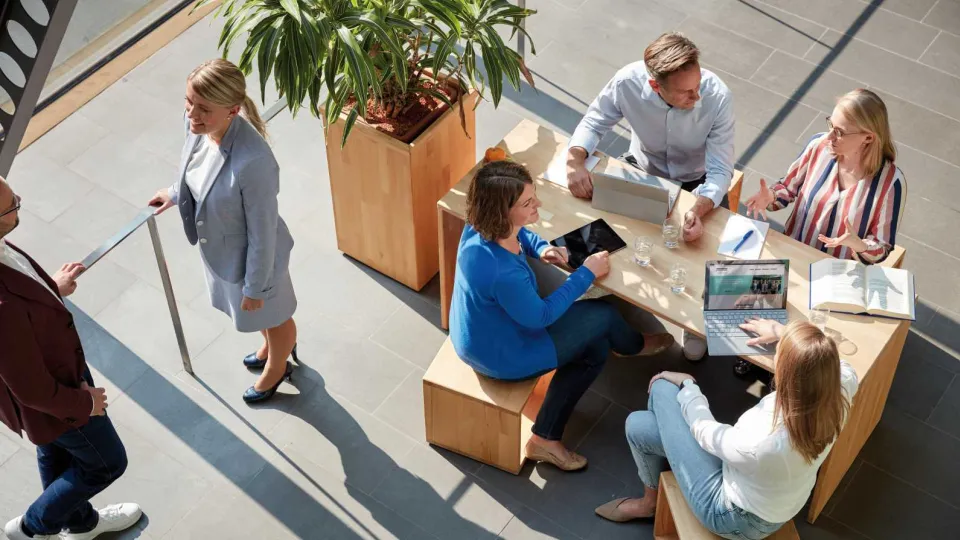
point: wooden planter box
(385, 192)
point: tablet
(589, 239)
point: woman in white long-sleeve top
(227, 194)
(743, 481)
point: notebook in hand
(853, 287)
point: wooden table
(874, 344)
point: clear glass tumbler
(819, 318)
(671, 233)
(643, 250)
(678, 278)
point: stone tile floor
(341, 453)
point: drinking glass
(678, 278)
(643, 249)
(818, 318)
(671, 233)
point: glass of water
(678, 278)
(643, 249)
(818, 318)
(671, 233)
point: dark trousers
(79, 464)
(583, 338)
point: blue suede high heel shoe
(252, 362)
(253, 396)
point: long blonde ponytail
(221, 82)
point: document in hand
(853, 287)
(557, 170)
(738, 227)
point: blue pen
(743, 240)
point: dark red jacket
(41, 359)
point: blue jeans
(660, 436)
(79, 464)
(583, 338)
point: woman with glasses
(846, 188)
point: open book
(852, 287)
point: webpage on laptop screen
(746, 286)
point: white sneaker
(693, 347)
(116, 517)
(14, 532)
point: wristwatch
(683, 384)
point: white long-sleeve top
(762, 472)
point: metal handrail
(147, 216)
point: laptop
(633, 193)
(738, 290)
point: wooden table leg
(864, 415)
(450, 229)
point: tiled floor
(341, 453)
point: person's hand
(99, 396)
(692, 227)
(672, 376)
(250, 304)
(578, 179)
(598, 263)
(848, 239)
(66, 278)
(161, 201)
(757, 205)
(766, 331)
(555, 255)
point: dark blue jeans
(79, 464)
(583, 337)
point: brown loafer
(611, 511)
(538, 453)
(653, 344)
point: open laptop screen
(746, 284)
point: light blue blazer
(236, 221)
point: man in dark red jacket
(47, 392)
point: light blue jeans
(660, 439)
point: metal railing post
(168, 292)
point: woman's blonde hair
(868, 113)
(809, 397)
(222, 83)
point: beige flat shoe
(654, 344)
(611, 511)
(538, 453)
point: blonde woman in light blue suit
(227, 196)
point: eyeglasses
(16, 206)
(838, 133)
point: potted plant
(396, 83)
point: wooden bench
(675, 520)
(479, 417)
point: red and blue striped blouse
(872, 205)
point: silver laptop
(633, 193)
(737, 290)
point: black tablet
(591, 238)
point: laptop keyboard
(727, 323)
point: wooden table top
(862, 339)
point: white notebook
(557, 171)
(852, 287)
(737, 227)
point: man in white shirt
(681, 121)
(47, 392)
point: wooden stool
(733, 194)
(478, 417)
(675, 520)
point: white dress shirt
(200, 168)
(679, 144)
(18, 262)
(762, 473)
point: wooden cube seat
(675, 520)
(481, 418)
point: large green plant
(376, 51)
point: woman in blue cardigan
(501, 327)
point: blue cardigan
(498, 322)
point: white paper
(557, 171)
(737, 227)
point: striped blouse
(872, 205)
